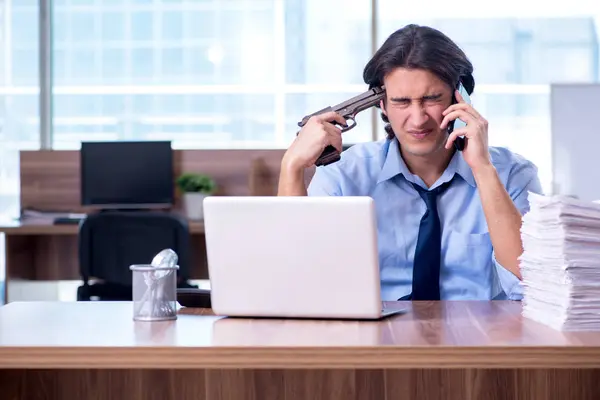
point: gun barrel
(352, 106)
(362, 102)
(369, 95)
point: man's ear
(382, 106)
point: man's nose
(418, 115)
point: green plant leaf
(190, 182)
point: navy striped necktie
(426, 265)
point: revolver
(347, 109)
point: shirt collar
(394, 165)
(393, 162)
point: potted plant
(195, 187)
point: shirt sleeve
(522, 180)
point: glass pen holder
(154, 292)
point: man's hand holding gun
(319, 141)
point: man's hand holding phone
(476, 152)
(313, 138)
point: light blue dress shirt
(469, 270)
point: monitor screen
(127, 174)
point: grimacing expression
(415, 101)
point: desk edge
(384, 357)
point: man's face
(415, 100)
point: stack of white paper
(560, 264)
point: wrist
(484, 172)
(291, 166)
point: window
(19, 116)
(173, 65)
(84, 68)
(142, 64)
(172, 26)
(24, 66)
(83, 27)
(113, 65)
(204, 62)
(113, 27)
(142, 24)
(22, 21)
(200, 24)
(218, 73)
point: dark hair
(419, 47)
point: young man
(454, 215)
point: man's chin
(421, 149)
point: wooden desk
(438, 350)
(44, 251)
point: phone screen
(458, 123)
(459, 143)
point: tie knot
(430, 196)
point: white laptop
(293, 257)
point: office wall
(575, 112)
(50, 179)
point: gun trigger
(349, 126)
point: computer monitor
(127, 174)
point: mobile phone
(459, 143)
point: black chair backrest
(111, 241)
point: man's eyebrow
(400, 99)
(433, 96)
(427, 97)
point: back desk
(50, 181)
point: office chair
(111, 241)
